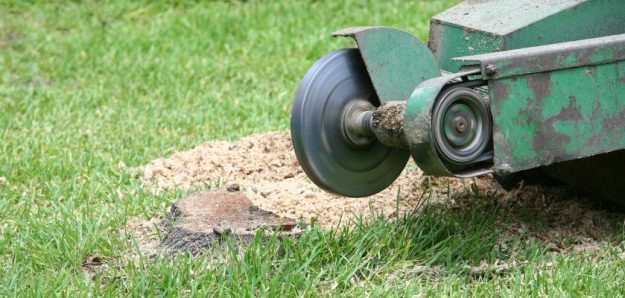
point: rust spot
(570, 112)
(585, 56)
(618, 54)
(467, 31)
(546, 139)
(610, 126)
(614, 122)
(540, 84)
(500, 92)
(503, 146)
(435, 36)
(617, 68)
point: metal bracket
(396, 61)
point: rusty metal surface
(549, 117)
(395, 60)
(586, 52)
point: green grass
(88, 90)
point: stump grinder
(528, 90)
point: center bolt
(460, 125)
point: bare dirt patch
(92, 265)
(146, 236)
(267, 170)
(8, 38)
(268, 173)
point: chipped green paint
(556, 102)
(396, 61)
(508, 97)
(549, 117)
(552, 57)
(460, 42)
(476, 27)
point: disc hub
(356, 122)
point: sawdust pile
(561, 219)
(267, 170)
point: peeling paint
(544, 118)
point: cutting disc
(326, 154)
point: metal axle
(363, 123)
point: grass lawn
(89, 90)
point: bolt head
(490, 69)
(460, 125)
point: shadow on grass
(562, 220)
(475, 233)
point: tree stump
(204, 219)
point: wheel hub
(356, 122)
(461, 125)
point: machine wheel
(335, 150)
(461, 125)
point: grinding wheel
(334, 161)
